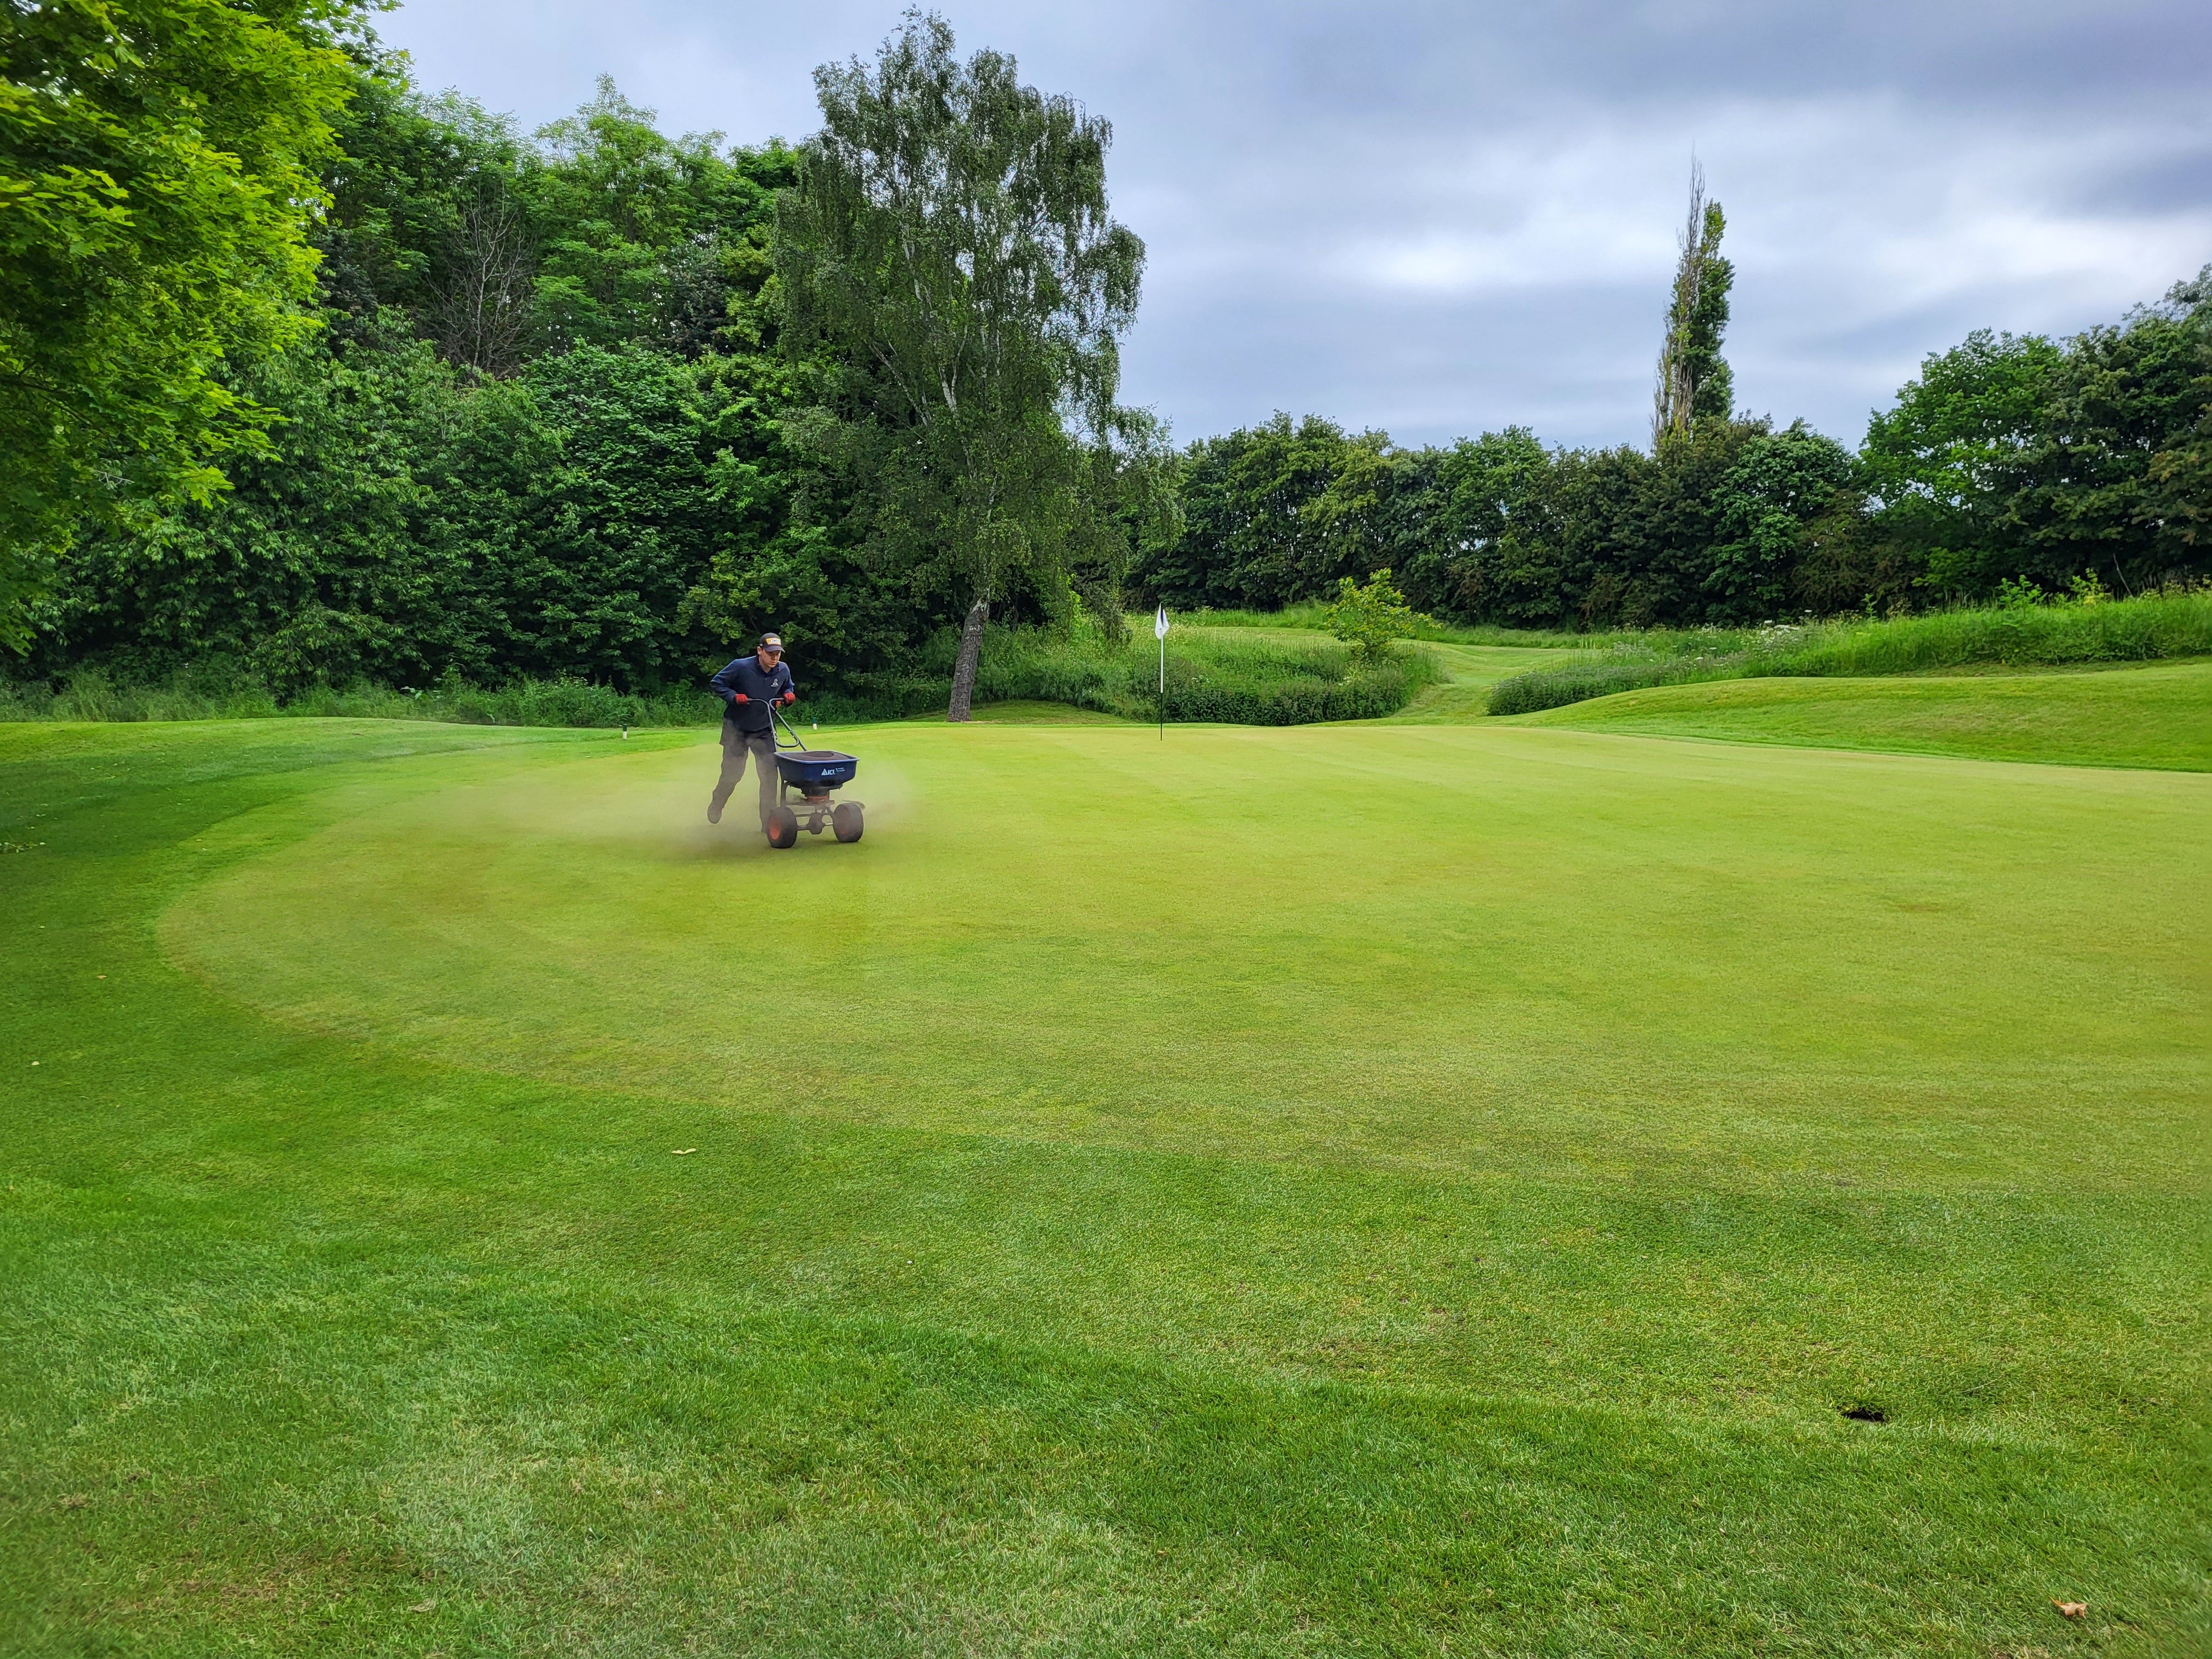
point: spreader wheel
(846, 820)
(782, 827)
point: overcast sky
(1440, 219)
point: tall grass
(1240, 682)
(1313, 616)
(1244, 682)
(88, 694)
(2126, 630)
(1253, 682)
(1259, 681)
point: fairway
(1406, 1189)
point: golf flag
(1160, 633)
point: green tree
(2040, 458)
(1272, 514)
(1369, 617)
(949, 262)
(1453, 529)
(598, 229)
(159, 172)
(614, 515)
(417, 184)
(1781, 486)
(645, 238)
(1693, 381)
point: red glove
(791, 696)
(739, 696)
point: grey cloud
(1440, 218)
(2156, 185)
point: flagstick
(1160, 633)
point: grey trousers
(735, 745)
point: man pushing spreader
(749, 688)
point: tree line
(2014, 463)
(305, 370)
(588, 401)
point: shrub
(1369, 618)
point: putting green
(1428, 946)
(1383, 1189)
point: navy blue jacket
(762, 687)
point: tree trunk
(971, 651)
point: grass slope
(1468, 672)
(2161, 627)
(2158, 716)
(1389, 1189)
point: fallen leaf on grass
(430, 1605)
(2072, 1609)
(685, 1151)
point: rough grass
(1280, 679)
(220, 694)
(1314, 617)
(2129, 631)
(1285, 678)
(1348, 1190)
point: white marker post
(1160, 633)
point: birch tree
(948, 243)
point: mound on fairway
(2155, 715)
(1376, 1189)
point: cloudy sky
(1438, 219)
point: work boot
(713, 811)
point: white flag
(1160, 624)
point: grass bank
(2128, 630)
(2156, 714)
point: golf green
(1394, 1189)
